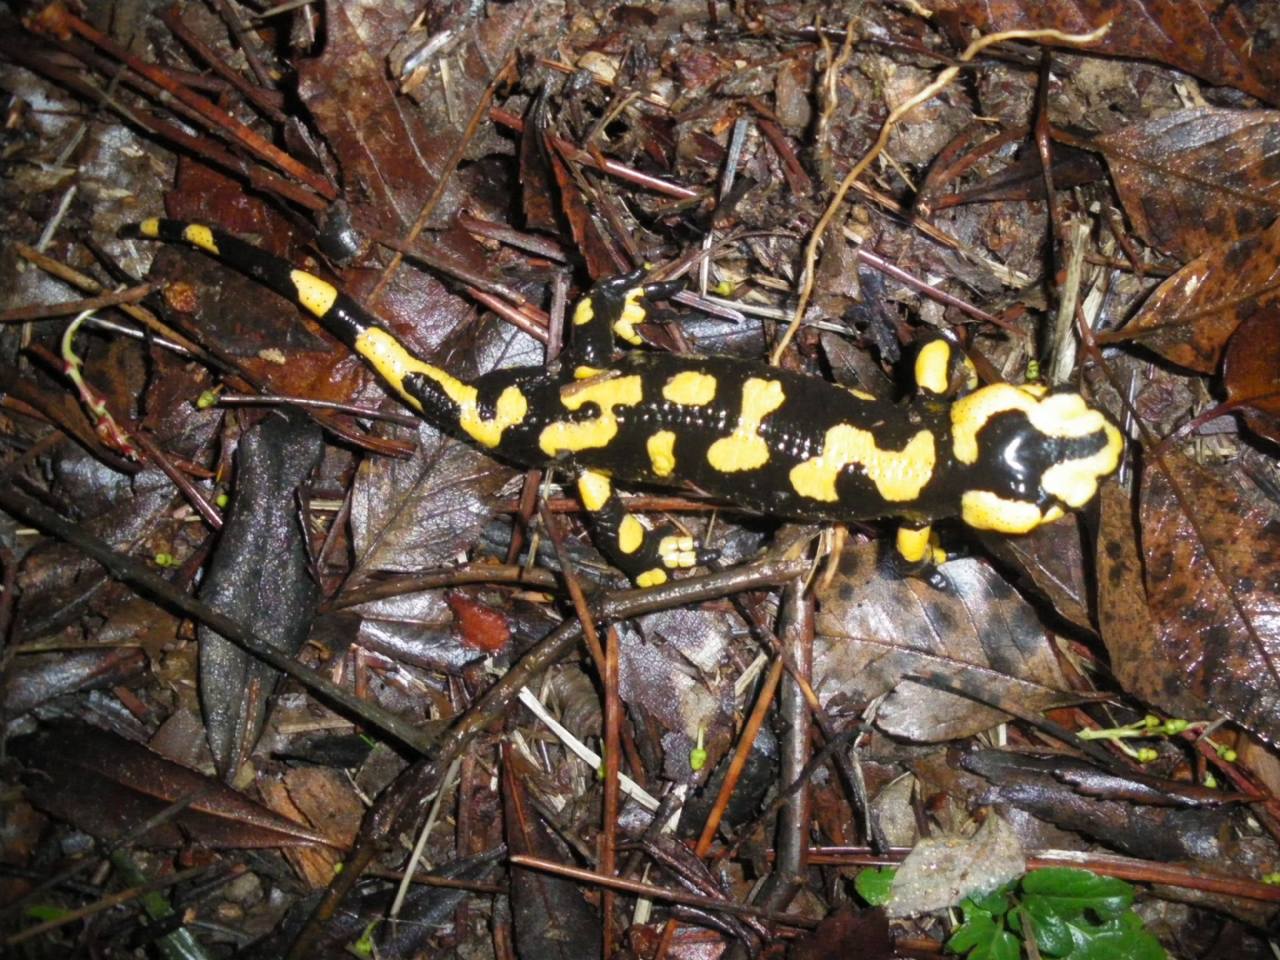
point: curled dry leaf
(1213, 585)
(1194, 180)
(1190, 317)
(1251, 372)
(108, 786)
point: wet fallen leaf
(31, 681)
(108, 786)
(1052, 557)
(676, 671)
(263, 531)
(939, 872)
(550, 918)
(1032, 784)
(382, 144)
(846, 932)
(1194, 180)
(1190, 317)
(1213, 582)
(1138, 660)
(1251, 371)
(874, 628)
(409, 515)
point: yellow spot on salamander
(690, 388)
(586, 373)
(652, 578)
(394, 364)
(584, 312)
(198, 235)
(899, 475)
(677, 552)
(314, 294)
(1075, 482)
(862, 394)
(632, 313)
(933, 367)
(913, 545)
(745, 449)
(984, 510)
(1061, 415)
(567, 436)
(150, 227)
(630, 534)
(595, 489)
(662, 456)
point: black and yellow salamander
(999, 457)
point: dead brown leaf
(1193, 180)
(1190, 317)
(1213, 582)
(108, 786)
(875, 628)
(1251, 372)
(1128, 631)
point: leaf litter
(453, 171)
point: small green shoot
(698, 755)
(1153, 726)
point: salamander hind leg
(611, 310)
(647, 556)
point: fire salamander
(999, 457)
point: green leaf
(981, 938)
(1052, 933)
(875, 885)
(1069, 893)
(1121, 939)
(995, 903)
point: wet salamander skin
(1001, 457)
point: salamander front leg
(917, 553)
(944, 372)
(646, 556)
(611, 309)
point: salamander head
(1027, 455)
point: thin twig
(654, 892)
(47, 311)
(926, 93)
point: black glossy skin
(793, 433)
(1026, 444)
